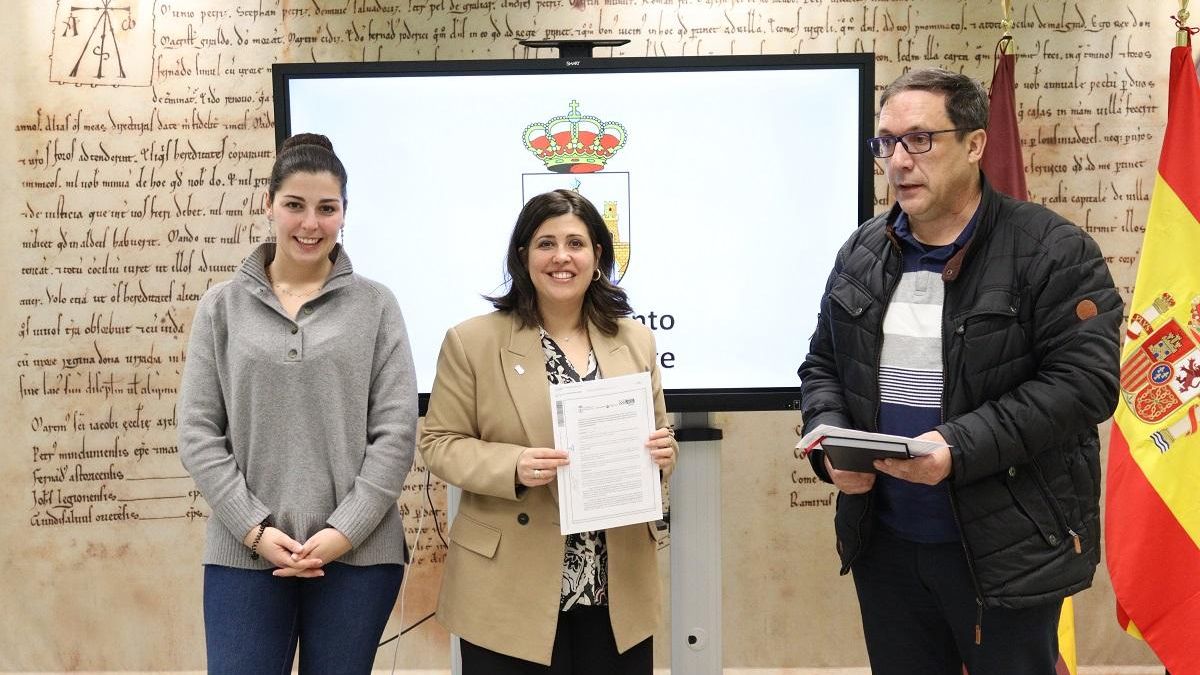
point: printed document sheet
(611, 480)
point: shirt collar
(904, 233)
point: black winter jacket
(1031, 367)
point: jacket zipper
(950, 485)
(891, 290)
(970, 567)
(875, 423)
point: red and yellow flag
(1003, 165)
(1152, 520)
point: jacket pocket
(1033, 502)
(1081, 462)
(991, 350)
(850, 296)
(475, 536)
(991, 326)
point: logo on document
(575, 149)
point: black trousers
(583, 645)
(919, 615)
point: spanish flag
(1152, 518)
(1003, 164)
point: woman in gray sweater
(297, 418)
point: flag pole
(1181, 40)
(1007, 44)
(1183, 35)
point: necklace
(289, 292)
(565, 339)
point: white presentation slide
(729, 193)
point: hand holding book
(852, 450)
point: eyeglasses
(914, 142)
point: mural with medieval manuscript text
(137, 139)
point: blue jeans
(253, 620)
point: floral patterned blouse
(585, 562)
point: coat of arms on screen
(1162, 374)
(576, 149)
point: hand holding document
(852, 450)
(611, 480)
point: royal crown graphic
(574, 143)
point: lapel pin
(519, 369)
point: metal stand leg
(696, 548)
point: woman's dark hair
(306, 153)
(603, 303)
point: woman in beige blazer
(524, 598)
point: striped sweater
(910, 384)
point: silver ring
(537, 473)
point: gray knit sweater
(310, 421)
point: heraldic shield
(609, 192)
(1163, 372)
(576, 148)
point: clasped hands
(539, 466)
(293, 559)
(928, 469)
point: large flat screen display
(728, 184)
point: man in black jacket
(964, 317)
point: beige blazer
(503, 572)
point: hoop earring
(596, 276)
